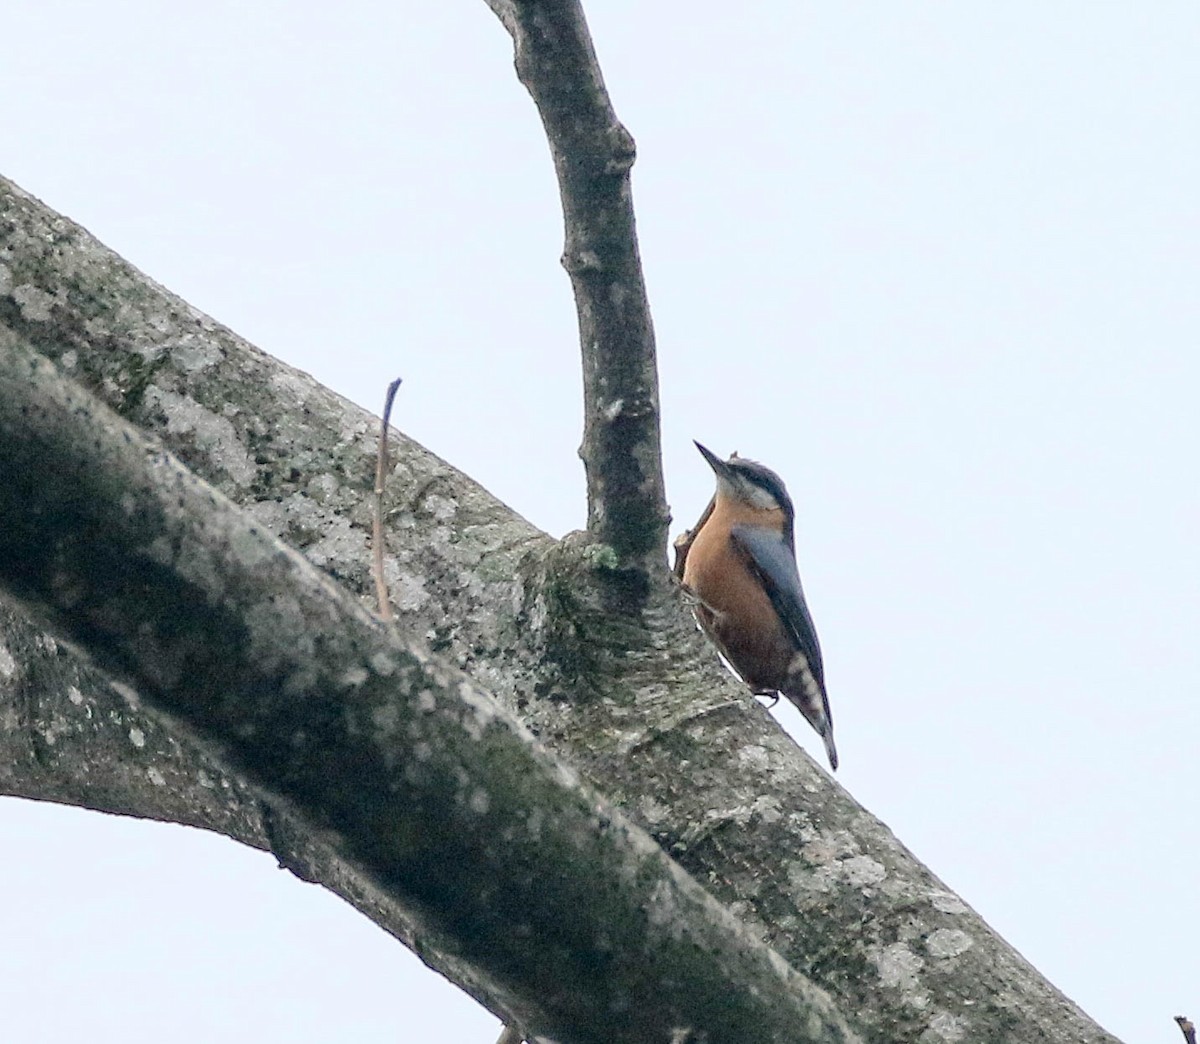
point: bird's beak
(714, 462)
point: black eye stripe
(763, 477)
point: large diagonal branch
(655, 725)
(667, 736)
(593, 154)
(500, 855)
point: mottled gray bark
(569, 916)
(633, 699)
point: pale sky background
(935, 263)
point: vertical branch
(593, 154)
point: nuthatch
(740, 564)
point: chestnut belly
(738, 615)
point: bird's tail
(810, 699)
(830, 749)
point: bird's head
(749, 483)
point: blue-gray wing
(774, 562)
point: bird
(739, 565)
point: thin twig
(381, 590)
(1188, 1028)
